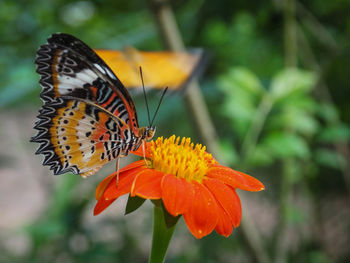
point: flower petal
(126, 179)
(103, 185)
(147, 184)
(139, 151)
(224, 226)
(234, 178)
(133, 165)
(177, 194)
(108, 191)
(227, 198)
(101, 205)
(202, 216)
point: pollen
(180, 157)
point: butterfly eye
(150, 133)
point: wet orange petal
(177, 194)
(236, 218)
(139, 151)
(224, 226)
(132, 166)
(234, 178)
(102, 186)
(202, 215)
(147, 184)
(227, 198)
(124, 183)
(101, 205)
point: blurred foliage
(280, 119)
(284, 106)
(266, 115)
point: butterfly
(88, 117)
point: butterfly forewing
(68, 67)
(88, 117)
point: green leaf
(261, 156)
(337, 133)
(170, 220)
(133, 204)
(240, 112)
(295, 119)
(242, 92)
(328, 112)
(330, 158)
(243, 78)
(298, 101)
(228, 151)
(283, 145)
(292, 80)
(217, 33)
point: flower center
(182, 159)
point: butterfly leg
(144, 152)
(117, 168)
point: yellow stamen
(183, 159)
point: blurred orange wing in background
(160, 69)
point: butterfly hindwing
(68, 67)
(80, 137)
(161, 68)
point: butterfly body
(88, 117)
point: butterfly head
(147, 132)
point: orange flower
(188, 180)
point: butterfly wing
(80, 137)
(68, 67)
(88, 117)
(161, 69)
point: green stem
(285, 201)
(290, 37)
(289, 164)
(161, 236)
(258, 121)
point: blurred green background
(277, 88)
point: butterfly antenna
(160, 102)
(144, 93)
